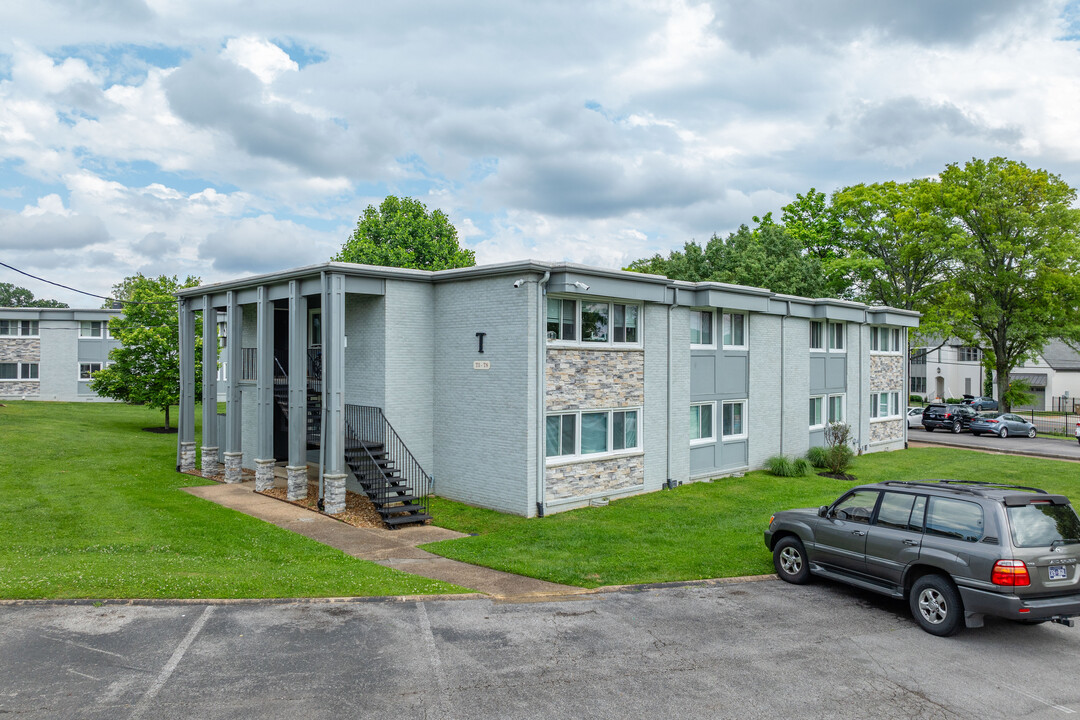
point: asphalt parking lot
(1057, 448)
(753, 650)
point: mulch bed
(838, 476)
(359, 512)
(162, 430)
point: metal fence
(1051, 423)
(249, 364)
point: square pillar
(334, 374)
(264, 384)
(209, 394)
(233, 450)
(298, 400)
(185, 455)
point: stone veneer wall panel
(886, 430)
(594, 477)
(21, 388)
(887, 373)
(20, 350)
(587, 378)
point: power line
(84, 292)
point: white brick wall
(765, 378)
(795, 374)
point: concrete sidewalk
(391, 548)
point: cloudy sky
(224, 137)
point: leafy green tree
(766, 256)
(1017, 250)
(402, 233)
(15, 296)
(145, 370)
(812, 221)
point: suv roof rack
(972, 487)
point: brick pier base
(233, 461)
(333, 494)
(297, 481)
(264, 475)
(187, 456)
(210, 464)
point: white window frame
(86, 329)
(90, 370)
(842, 397)
(712, 422)
(21, 372)
(830, 329)
(892, 404)
(745, 330)
(894, 336)
(745, 420)
(916, 386)
(820, 347)
(821, 413)
(713, 330)
(576, 319)
(578, 456)
(579, 328)
(34, 325)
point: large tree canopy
(766, 256)
(15, 296)
(145, 370)
(1017, 253)
(402, 233)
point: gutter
(541, 395)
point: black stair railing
(384, 466)
(312, 415)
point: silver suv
(957, 551)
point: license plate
(1058, 572)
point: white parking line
(1062, 708)
(178, 654)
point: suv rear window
(1041, 524)
(958, 519)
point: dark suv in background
(956, 551)
(949, 417)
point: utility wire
(84, 292)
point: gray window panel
(594, 322)
(594, 433)
(632, 323)
(569, 434)
(554, 434)
(857, 507)
(895, 510)
(618, 329)
(958, 519)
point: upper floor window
(817, 335)
(93, 329)
(701, 327)
(885, 340)
(836, 336)
(734, 330)
(609, 323)
(919, 358)
(968, 354)
(24, 328)
(884, 405)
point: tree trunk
(166, 417)
(1003, 371)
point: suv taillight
(1013, 573)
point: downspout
(787, 310)
(322, 383)
(670, 381)
(541, 394)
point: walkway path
(392, 548)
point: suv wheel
(936, 605)
(789, 559)
(957, 427)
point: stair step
(406, 519)
(388, 512)
(401, 499)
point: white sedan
(914, 417)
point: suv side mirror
(822, 511)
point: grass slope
(701, 530)
(92, 508)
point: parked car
(1001, 424)
(981, 403)
(914, 417)
(950, 417)
(956, 551)
(1077, 431)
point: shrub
(838, 456)
(915, 399)
(783, 466)
(954, 401)
(818, 457)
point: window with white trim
(702, 428)
(734, 420)
(918, 383)
(87, 369)
(735, 331)
(586, 433)
(884, 405)
(817, 335)
(561, 319)
(18, 371)
(836, 408)
(701, 328)
(93, 329)
(594, 322)
(968, 354)
(885, 340)
(17, 328)
(817, 413)
(836, 336)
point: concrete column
(209, 396)
(297, 461)
(333, 313)
(233, 450)
(264, 382)
(185, 461)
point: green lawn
(701, 530)
(91, 507)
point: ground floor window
(884, 405)
(734, 425)
(18, 371)
(702, 429)
(817, 415)
(592, 432)
(836, 408)
(87, 369)
(918, 383)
